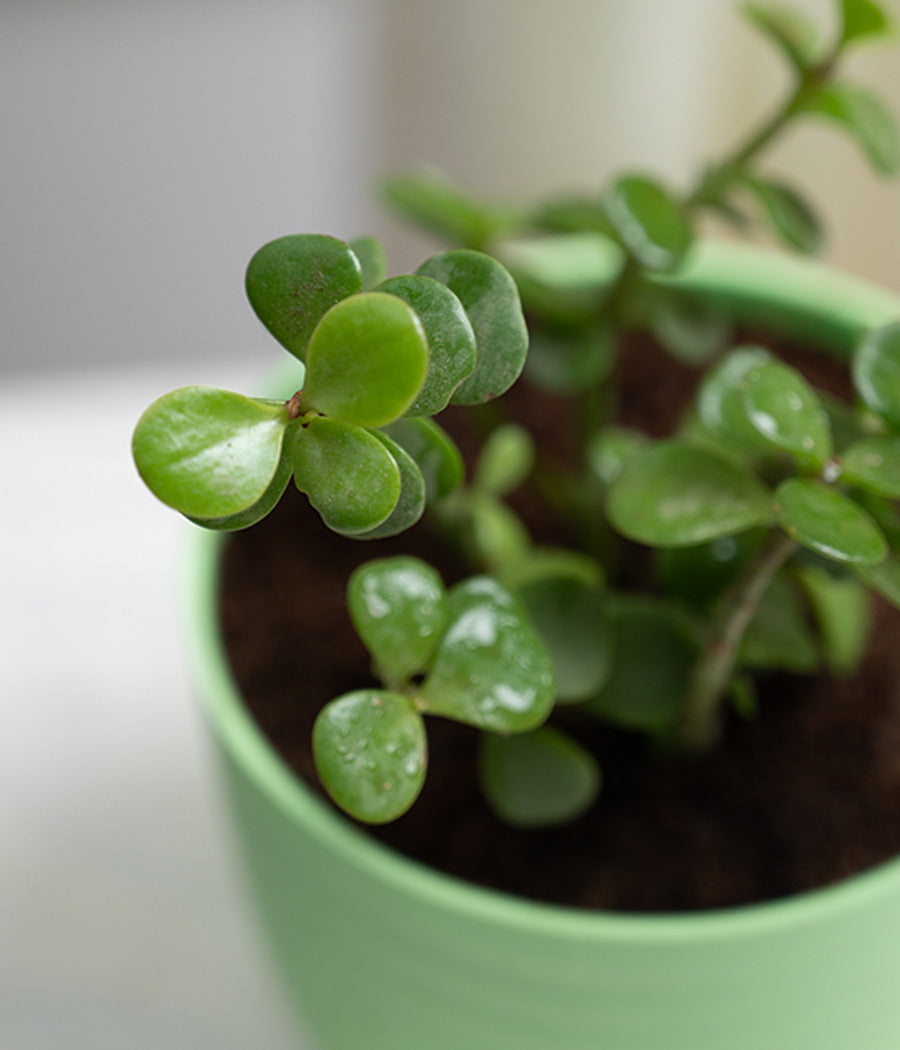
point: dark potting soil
(805, 794)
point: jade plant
(748, 540)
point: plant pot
(379, 952)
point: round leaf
(789, 214)
(610, 449)
(398, 607)
(263, 506)
(366, 361)
(491, 669)
(537, 779)
(436, 456)
(411, 501)
(874, 463)
(865, 117)
(677, 495)
(571, 619)
(292, 282)
(491, 301)
(876, 372)
(370, 753)
(649, 222)
(347, 473)
(720, 404)
(690, 328)
(570, 361)
(209, 453)
(499, 540)
(784, 409)
(451, 341)
(506, 460)
(828, 522)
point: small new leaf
(866, 118)
(648, 222)
(370, 752)
(506, 460)
(789, 214)
(862, 18)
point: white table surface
(122, 921)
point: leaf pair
(482, 662)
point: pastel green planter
(379, 953)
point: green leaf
(698, 575)
(266, 503)
(572, 213)
(648, 221)
(866, 118)
(846, 422)
(366, 361)
(862, 18)
(497, 537)
(506, 460)
(789, 214)
(677, 495)
(411, 501)
(883, 578)
(783, 408)
(654, 649)
(828, 522)
(789, 30)
(537, 779)
(209, 453)
(370, 752)
(491, 300)
(372, 260)
(779, 636)
(720, 403)
(874, 463)
(571, 619)
(436, 456)
(294, 281)
(451, 340)
(491, 669)
(843, 611)
(543, 562)
(399, 609)
(347, 474)
(569, 361)
(611, 449)
(692, 329)
(876, 372)
(431, 199)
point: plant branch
(714, 669)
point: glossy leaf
(372, 260)
(436, 456)
(828, 522)
(537, 779)
(491, 669)
(209, 453)
(451, 340)
(779, 636)
(491, 300)
(843, 611)
(411, 501)
(789, 214)
(676, 495)
(611, 449)
(654, 649)
(648, 221)
(874, 463)
(294, 281)
(692, 329)
(366, 361)
(571, 619)
(866, 118)
(506, 460)
(370, 752)
(720, 403)
(569, 361)
(347, 473)
(783, 408)
(883, 578)
(862, 18)
(266, 503)
(876, 372)
(790, 30)
(399, 609)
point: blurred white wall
(150, 148)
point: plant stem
(713, 671)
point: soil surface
(799, 797)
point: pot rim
(806, 300)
